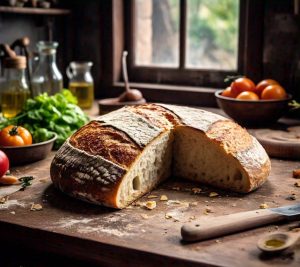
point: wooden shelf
(34, 11)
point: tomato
(274, 91)
(263, 84)
(15, 136)
(247, 96)
(241, 85)
(4, 163)
(227, 92)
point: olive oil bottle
(15, 90)
(81, 83)
(84, 93)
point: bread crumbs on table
(196, 190)
(291, 197)
(152, 196)
(192, 218)
(163, 198)
(233, 205)
(168, 216)
(213, 194)
(36, 207)
(193, 204)
(150, 205)
(3, 200)
(13, 212)
(145, 216)
(297, 184)
(263, 206)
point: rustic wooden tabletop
(70, 228)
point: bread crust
(112, 143)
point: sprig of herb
(25, 182)
(294, 104)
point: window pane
(157, 36)
(212, 34)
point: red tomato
(15, 136)
(4, 163)
(274, 91)
(241, 85)
(263, 84)
(247, 96)
(227, 92)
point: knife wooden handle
(223, 225)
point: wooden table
(139, 237)
(67, 227)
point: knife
(236, 222)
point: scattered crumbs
(297, 184)
(144, 231)
(240, 199)
(174, 202)
(218, 241)
(296, 230)
(296, 173)
(150, 205)
(175, 220)
(168, 216)
(291, 197)
(35, 207)
(213, 194)
(233, 205)
(3, 199)
(145, 216)
(177, 188)
(193, 217)
(213, 201)
(207, 210)
(163, 198)
(276, 227)
(263, 206)
(152, 196)
(206, 201)
(13, 212)
(196, 190)
(193, 204)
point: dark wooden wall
(85, 36)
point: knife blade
(223, 225)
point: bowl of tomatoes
(254, 105)
(17, 143)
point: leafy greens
(45, 115)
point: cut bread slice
(151, 168)
(197, 158)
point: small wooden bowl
(253, 113)
(20, 155)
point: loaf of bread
(118, 157)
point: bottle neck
(14, 74)
(48, 58)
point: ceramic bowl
(253, 113)
(20, 155)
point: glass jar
(15, 89)
(46, 77)
(81, 83)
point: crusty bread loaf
(118, 157)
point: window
(180, 51)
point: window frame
(188, 86)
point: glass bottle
(15, 89)
(81, 83)
(46, 77)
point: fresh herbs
(25, 182)
(294, 104)
(45, 115)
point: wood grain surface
(139, 237)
